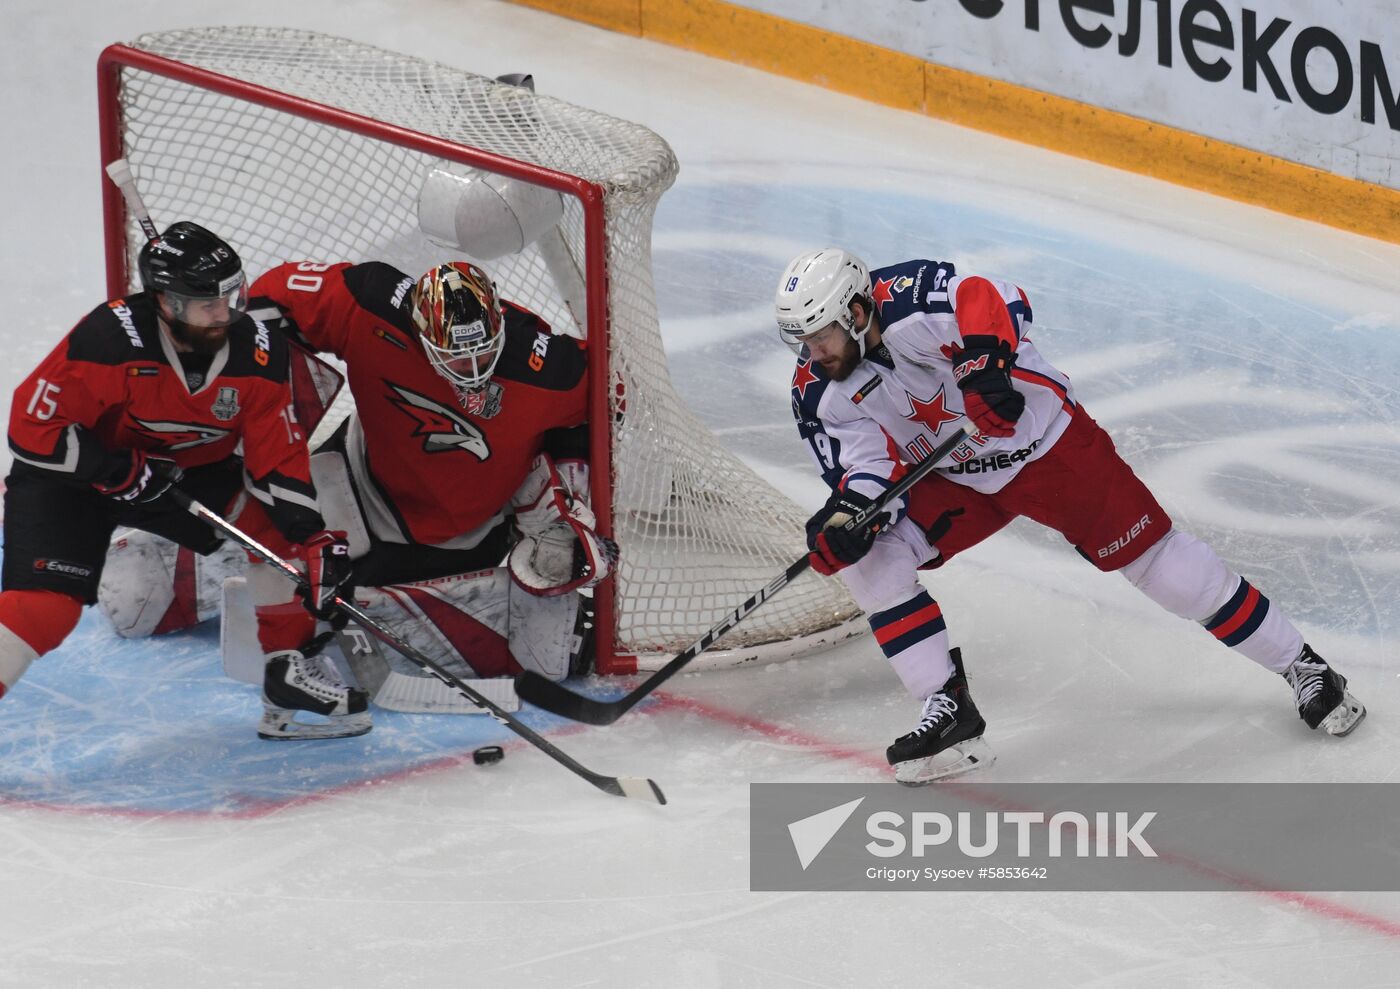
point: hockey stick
(553, 697)
(625, 786)
(119, 172)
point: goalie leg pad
(480, 623)
(544, 633)
(238, 633)
(461, 621)
(476, 625)
(336, 496)
(151, 585)
(397, 685)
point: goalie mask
(461, 324)
(817, 290)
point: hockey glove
(834, 547)
(983, 372)
(141, 480)
(328, 565)
(558, 551)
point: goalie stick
(557, 699)
(625, 786)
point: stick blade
(638, 789)
(550, 696)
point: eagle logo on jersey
(442, 429)
(169, 433)
(933, 413)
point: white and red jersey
(116, 383)
(902, 400)
(428, 470)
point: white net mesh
(699, 531)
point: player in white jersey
(890, 362)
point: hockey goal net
(293, 145)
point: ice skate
(295, 684)
(1321, 695)
(948, 740)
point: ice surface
(1245, 363)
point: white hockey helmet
(816, 290)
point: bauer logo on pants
(1056, 837)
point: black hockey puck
(488, 754)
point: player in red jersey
(155, 389)
(469, 440)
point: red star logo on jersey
(803, 377)
(882, 292)
(934, 413)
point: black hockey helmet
(189, 263)
(189, 260)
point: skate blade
(279, 725)
(1344, 717)
(959, 760)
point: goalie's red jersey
(442, 470)
(115, 383)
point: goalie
(468, 447)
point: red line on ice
(1310, 902)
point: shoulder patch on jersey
(536, 355)
(264, 310)
(866, 389)
(910, 286)
(117, 331)
(382, 290)
(256, 350)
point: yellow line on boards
(859, 68)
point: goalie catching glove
(558, 550)
(833, 546)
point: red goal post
(294, 145)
